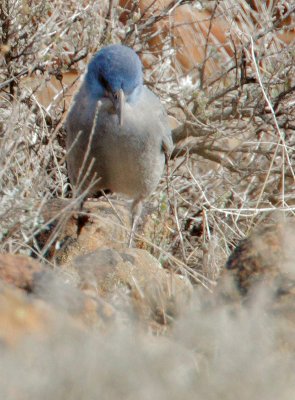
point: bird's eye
(116, 96)
(103, 81)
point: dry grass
(232, 169)
(232, 166)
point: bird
(117, 130)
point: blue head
(115, 72)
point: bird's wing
(167, 142)
(156, 108)
(167, 145)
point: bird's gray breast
(129, 158)
(132, 154)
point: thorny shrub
(233, 162)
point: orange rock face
(192, 32)
(18, 270)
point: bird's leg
(113, 208)
(136, 211)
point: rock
(55, 288)
(267, 257)
(90, 250)
(21, 316)
(100, 224)
(262, 268)
(156, 295)
(18, 270)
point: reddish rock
(69, 233)
(18, 270)
(21, 316)
(50, 288)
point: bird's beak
(119, 103)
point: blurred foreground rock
(156, 295)
(260, 272)
(19, 270)
(34, 299)
(266, 257)
(71, 330)
(19, 316)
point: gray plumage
(119, 126)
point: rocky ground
(100, 320)
(202, 305)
